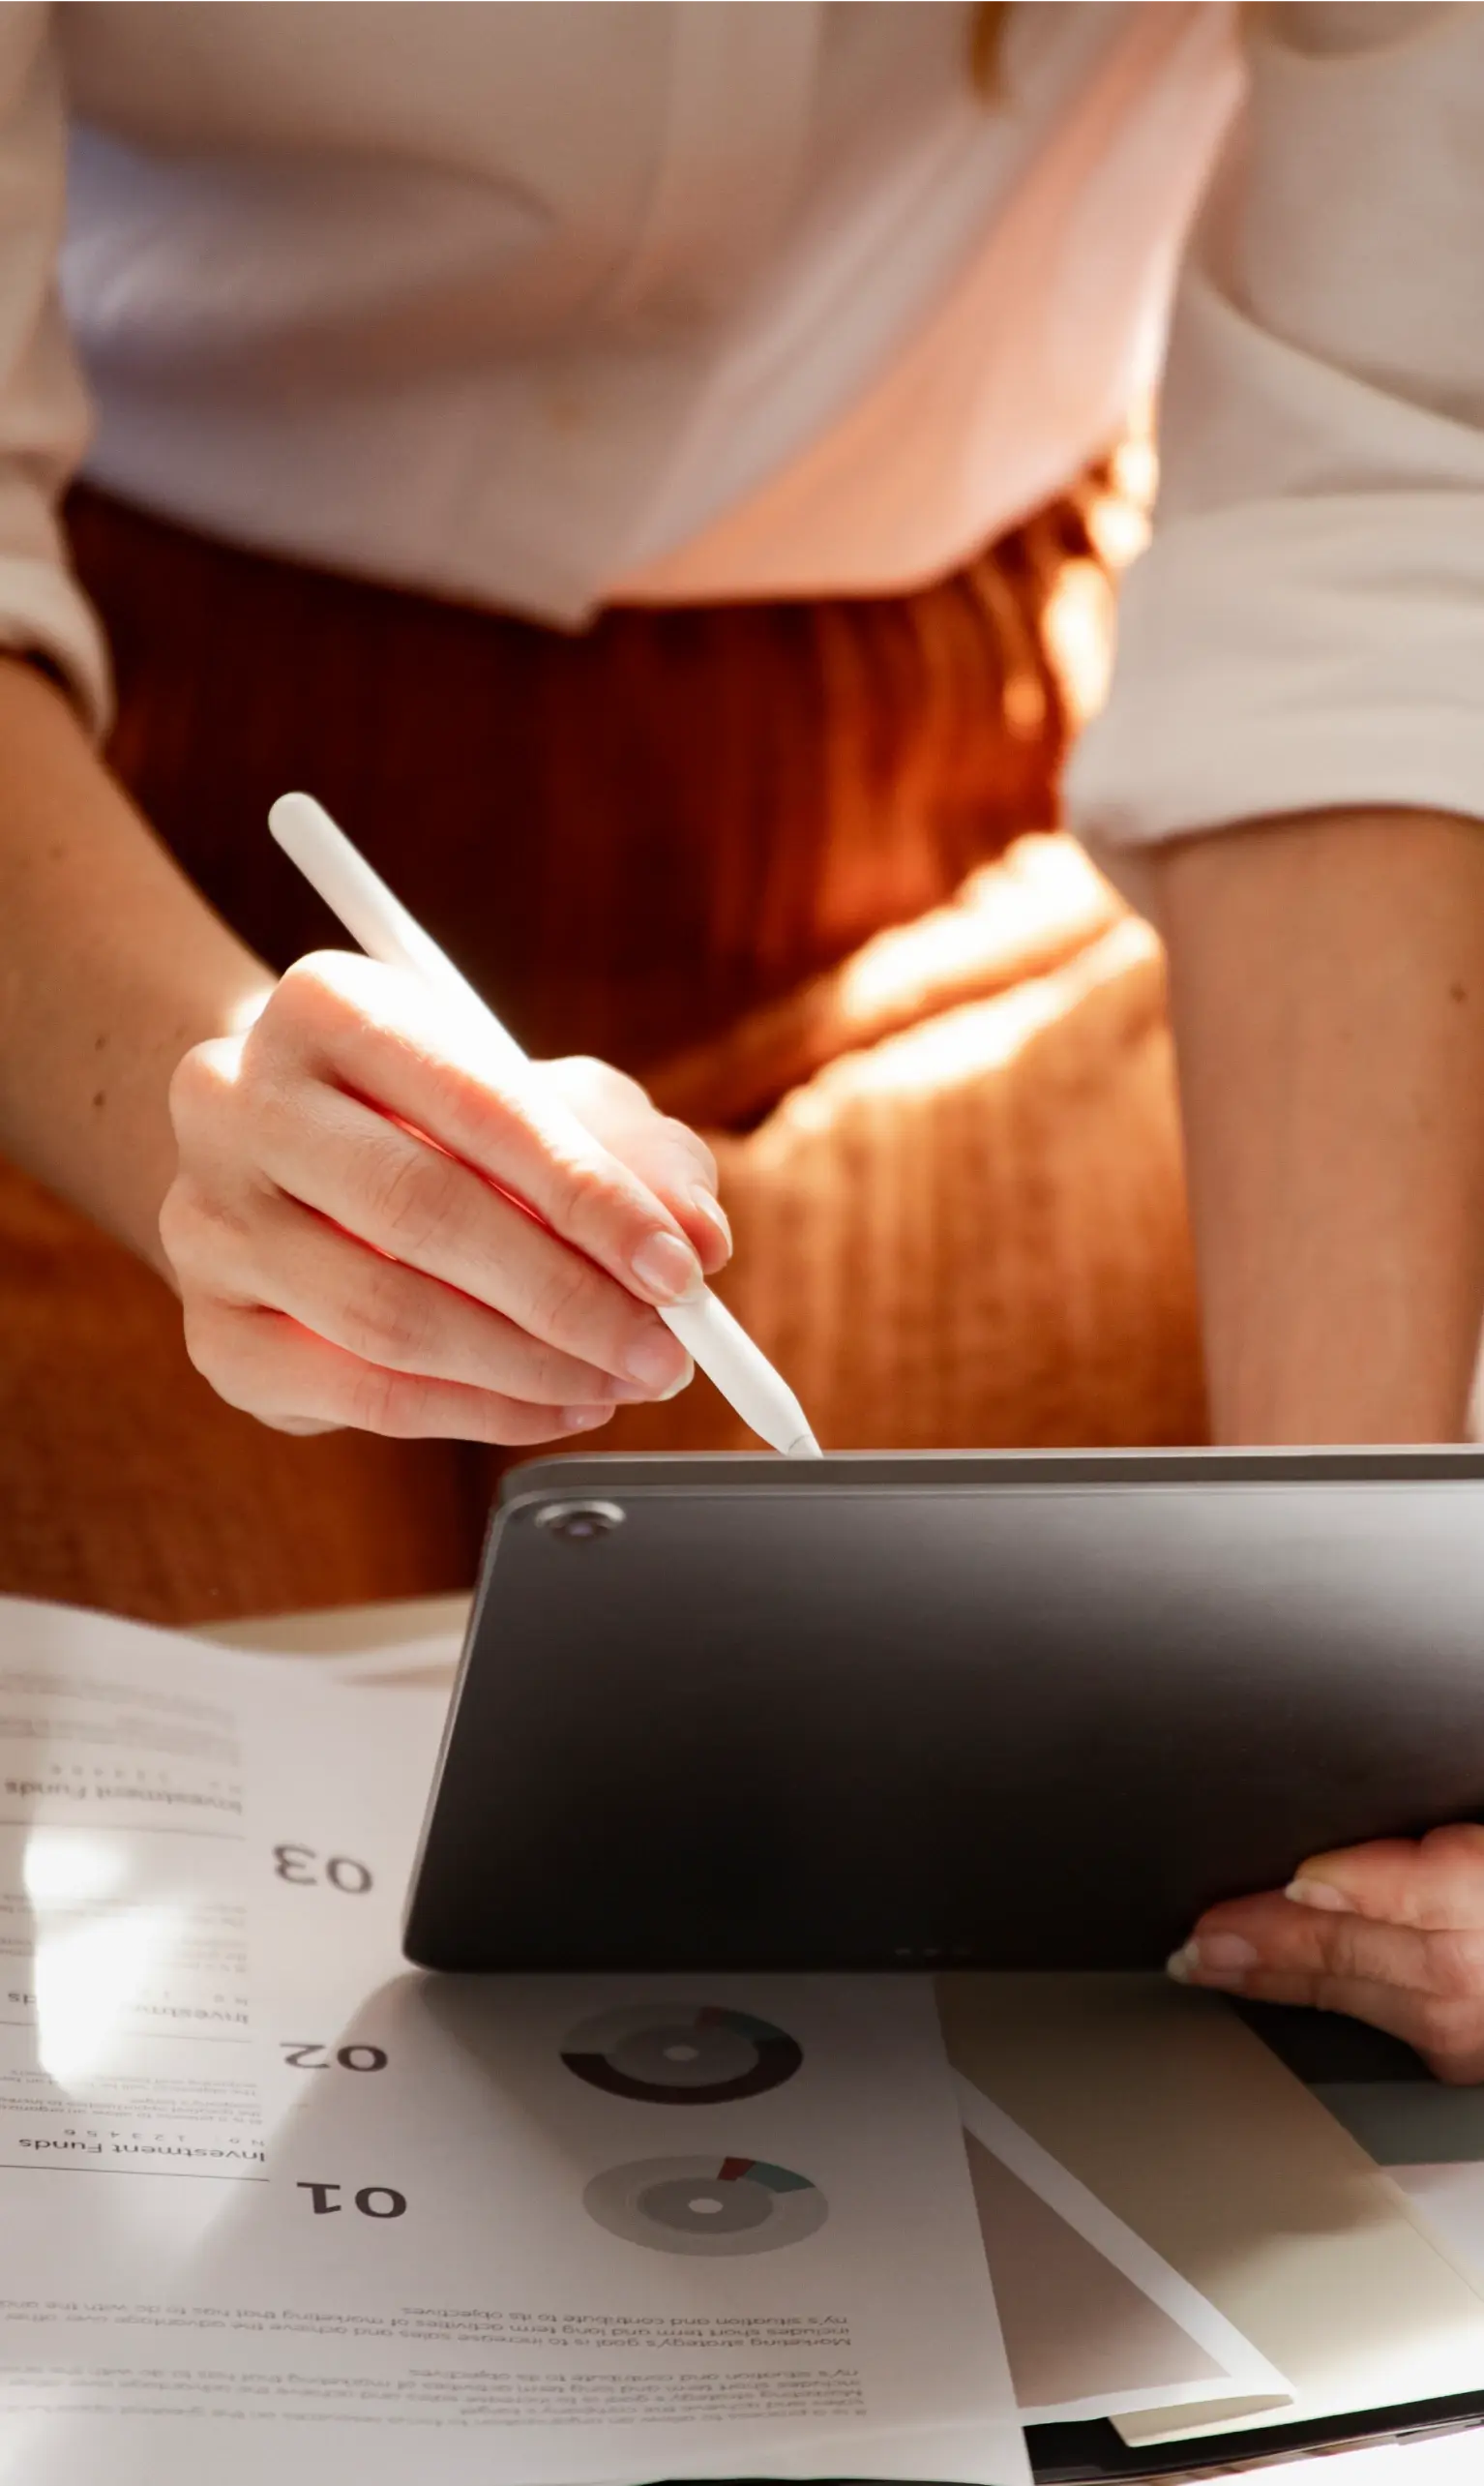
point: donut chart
(681, 2054)
(706, 2205)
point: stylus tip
(804, 1447)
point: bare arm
(112, 965)
(1327, 991)
(318, 1165)
(1327, 981)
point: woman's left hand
(1392, 1934)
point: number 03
(302, 1865)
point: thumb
(1436, 1885)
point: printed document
(276, 2205)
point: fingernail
(676, 1387)
(666, 1267)
(1223, 1951)
(585, 1419)
(706, 1205)
(652, 1360)
(1322, 1895)
(1206, 1958)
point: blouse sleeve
(1307, 628)
(43, 409)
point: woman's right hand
(368, 1228)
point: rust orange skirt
(664, 840)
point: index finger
(1244, 1941)
(676, 1163)
(372, 1029)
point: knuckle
(694, 1146)
(412, 1193)
(206, 1242)
(232, 1350)
(189, 1081)
(261, 1068)
(201, 1081)
(1458, 1847)
(216, 1346)
(1343, 1944)
(1325, 1992)
(266, 1097)
(480, 1115)
(1454, 1964)
(380, 1401)
(200, 1326)
(509, 1427)
(586, 1202)
(180, 1224)
(564, 1297)
(314, 982)
(1449, 2023)
(599, 1078)
(314, 1002)
(387, 1323)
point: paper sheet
(1427, 2134)
(1096, 2324)
(275, 2205)
(1182, 2123)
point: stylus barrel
(363, 903)
(742, 1373)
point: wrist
(112, 968)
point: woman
(419, 337)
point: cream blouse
(543, 306)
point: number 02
(298, 2055)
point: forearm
(111, 966)
(1327, 995)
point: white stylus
(371, 916)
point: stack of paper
(274, 2203)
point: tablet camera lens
(577, 1523)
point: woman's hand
(368, 1228)
(1391, 1933)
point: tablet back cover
(1015, 1714)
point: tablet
(896, 1712)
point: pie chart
(679, 2053)
(706, 2205)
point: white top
(541, 306)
